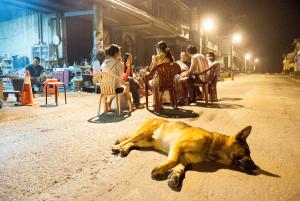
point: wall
(19, 34)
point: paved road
(62, 153)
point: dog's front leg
(129, 146)
(172, 161)
(124, 150)
(175, 178)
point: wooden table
(1, 83)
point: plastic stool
(48, 89)
(56, 87)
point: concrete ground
(63, 153)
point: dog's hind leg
(173, 160)
(175, 178)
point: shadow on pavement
(213, 167)
(201, 167)
(175, 113)
(109, 117)
(219, 105)
(230, 99)
(48, 106)
(270, 174)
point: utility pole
(98, 27)
(201, 39)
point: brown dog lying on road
(187, 145)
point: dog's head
(239, 152)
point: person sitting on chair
(211, 57)
(36, 73)
(128, 77)
(181, 83)
(198, 64)
(163, 55)
(99, 58)
(114, 65)
(185, 61)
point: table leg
(56, 91)
(65, 94)
(46, 86)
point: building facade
(77, 29)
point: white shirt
(114, 66)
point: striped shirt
(201, 64)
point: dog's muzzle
(246, 164)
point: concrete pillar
(58, 33)
(40, 28)
(64, 39)
(58, 16)
(98, 27)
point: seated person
(36, 73)
(113, 64)
(98, 60)
(163, 55)
(133, 84)
(198, 64)
(184, 62)
(181, 83)
(211, 58)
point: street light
(236, 38)
(247, 57)
(207, 25)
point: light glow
(236, 38)
(208, 25)
(248, 56)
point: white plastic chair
(108, 81)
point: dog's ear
(243, 134)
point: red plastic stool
(48, 89)
(56, 87)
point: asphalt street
(64, 152)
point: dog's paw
(115, 150)
(124, 152)
(174, 181)
(157, 174)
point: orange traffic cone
(27, 95)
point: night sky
(268, 26)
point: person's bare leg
(108, 103)
(183, 84)
(128, 97)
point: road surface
(63, 153)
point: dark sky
(268, 26)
